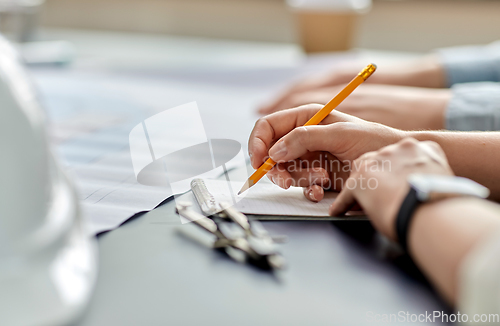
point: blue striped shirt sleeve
(469, 64)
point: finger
(302, 140)
(280, 176)
(284, 104)
(334, 78)
(272, 127)
(435, 152)
(289, 102)
(321, 96)
(269, 129)
(300, 87)
(344, 201)
(291, 174)
(309, 176)
(274, 106)
(314, 193)
(414, 148)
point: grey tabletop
(340, 273)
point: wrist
(430, 72)
(391, 208)
(431, 188)
(424, 212)
(432, 107)
(424, 72)
(424, 135)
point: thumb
(302, 140)
(344, 201)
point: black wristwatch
(430, 187)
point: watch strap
(405, 214)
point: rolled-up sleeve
(474, 106)
(479, 290)
(471, 63)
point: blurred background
(389, 25)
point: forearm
(424, 72)
(474, 155)
(443, 233)
(446, 67)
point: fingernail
(281, 182)
(251, 156)
(278, 151)
(311, 195)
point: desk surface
(338, 273)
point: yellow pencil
(317, 118)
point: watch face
(433, 186)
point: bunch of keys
(237, 236)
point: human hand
(424, 72)
(401, 107)
(378, 180)
(315, 157)
(311, 87)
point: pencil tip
(246, 186)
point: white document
(91, 120)
(266, 198)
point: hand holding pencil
(316, 119)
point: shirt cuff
(471, 63)
(474, 107)
(479, 283)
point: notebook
(268, 201)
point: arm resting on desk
(444, 233)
